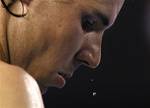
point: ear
(27, 1)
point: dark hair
(9, 11)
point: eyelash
(91, 23)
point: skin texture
(51, 38)
(18, 89)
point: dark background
(123, 77)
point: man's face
(57, 36)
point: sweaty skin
(56, 36)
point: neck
(4, 52)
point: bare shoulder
(14, 74)
(18, 89)
(10, 72)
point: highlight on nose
(88, 58)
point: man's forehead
(97, 4)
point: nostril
(83, 62)
(83, 57)
(88, 60)
(88, 57)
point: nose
(90, 51)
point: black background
(123, 77)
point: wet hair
(9, 5)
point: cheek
(61, 27)
(70, 38)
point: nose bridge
(90, 51)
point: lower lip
(60, 81)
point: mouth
(59, 81)
(64, 75)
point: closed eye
(103, 18)
(94, 22)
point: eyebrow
(105, 19)
(97, 13)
